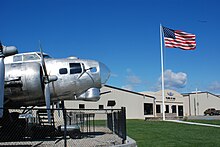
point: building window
(148, 109)
(81, 106)
(158, 109)
(174, 109)
(167, 109)
(75, 68)
(101, 107)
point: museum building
(173, 102)
(146, 105)
(138, 105)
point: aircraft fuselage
(77, 79)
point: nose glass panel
(104, 73)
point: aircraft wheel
(76, 134)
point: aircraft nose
(104, 73)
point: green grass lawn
(100, 123)
(159, 133)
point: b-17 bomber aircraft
(36, 79)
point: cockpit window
(93, 69)
(75, 68)
(17, 58)
(63, 71)
(28, 57)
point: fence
(117, 123)
(64, 127)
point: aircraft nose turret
(100, 78)
(104, 73)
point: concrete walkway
(194, 123)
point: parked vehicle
(211, 111)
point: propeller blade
(2, 84)
(4, 51)
(42, 60)
(47, 80)
(46, 83)
(47, 100)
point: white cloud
(174, 80)
(128, 87)
(114, 75)
(215, 86)
(132, 81)
(128, 70)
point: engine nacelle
(23, 83)
(9, 50)
(92, 94)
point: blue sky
(123, 34)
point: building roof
(125, 90)
(199, 92)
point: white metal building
(138, 105)
(133, 101)
(173, 101)
(149, 104)
(197, 102)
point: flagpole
(162, 70)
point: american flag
(179, 39)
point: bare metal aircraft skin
(69, 79)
